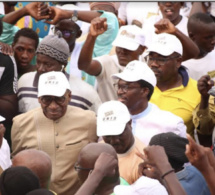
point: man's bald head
(38, 161)
(91, 152)
(88, 156)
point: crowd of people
(109, 98)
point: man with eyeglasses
(52, 55)
(56, 128)
(135, 86)
(175, 91)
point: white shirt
(199, 67)
(153, 121)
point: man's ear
(39, 100)
(192, 36)
(141, 49)
(70, 95)
(78, 33)
(145, 91)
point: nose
(25, 54)
(120, 91)
(40, 68)
(53, 105)
(213, 40)
(114, 140)
(153, 63)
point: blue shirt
(193, 181)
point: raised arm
(37, 10)
(57, 14)
(203, 116)
(190, 49)
(203, 159)
(85, 62)
(156, 156)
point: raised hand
(38, 10)
(164, 26)
(106, 164)
(98, 26)
(204, 84)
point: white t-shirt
(153, 121)
(105, 88)
(199, 67)
(72, 66)
(137, 11)
(149, 28)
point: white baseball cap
(165, 44)
(1, 118)
(144, 185)
(112, 118)
(135, 71)
(129, 37)
(53, 83)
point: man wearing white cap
(175, 91)
(130, 44)
(134, 88)
(114, 125)
(57, 129)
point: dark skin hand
(204, 85)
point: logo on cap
(127, 34)
(108, 116)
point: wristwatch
(75, 16)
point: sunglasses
(65, 33)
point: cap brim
(58, 92)
(125, 77)
(106, 130)
(125, 43)
(160, 50)
(2, 118)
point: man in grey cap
(57, 129)
(52, 55)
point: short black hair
(147, 85)
(27, 32)
(197, 18)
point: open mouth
(169, 12)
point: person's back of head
(174, 147)
(37, 161)
(87, 158)
(18, 181)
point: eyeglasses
(48, 99)
(65, 33)
(78, 168)
(124, 88)
(159, 61)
